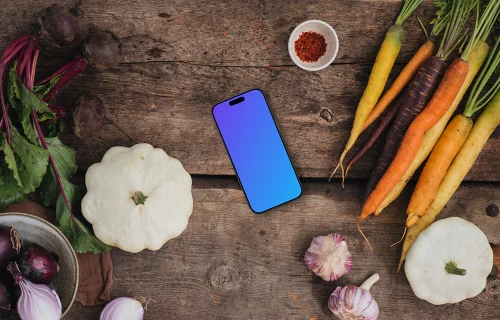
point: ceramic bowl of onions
(38, 268)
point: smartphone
(258, 154)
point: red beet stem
(13, 49)
(77, 66)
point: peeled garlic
(328, 257)
(355, 303)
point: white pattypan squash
(137, 198)
(449, 262)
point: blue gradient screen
(257, 151)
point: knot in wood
(225, 278)
(326, 115)
(492, 210)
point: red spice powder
(310, 46)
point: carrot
(416, 98)
(422, 54)
(383, 126)
(451, 141)
(409, 71)
(477, 56)
(440, 159)
(469, 151)
(380, 72)
(440, 102)
(476, 60)
(487, 122)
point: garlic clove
(351, 302)
(328, 257)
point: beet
(89, 116)
(59, 27)
(102, 50)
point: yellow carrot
(469, 151)
(431, 136)
(424, 53)
(436, 166)
(487, 122)
(380, 73)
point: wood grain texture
(244, 33)
(170, 106)
(181, 58)
(168, 102)
(233, 264)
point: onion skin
(123, 308)
(37, 264)
(4, 296)
(37, 301)
(9, 244)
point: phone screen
(257, 151)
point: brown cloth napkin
(96, 270)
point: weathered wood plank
(232, 264)
(169, 106)
(243, 33)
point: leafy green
(80, 237)
(65, 160)
(10, 160)
(31, 161)
(55, 128)
(9, 190)
(9, 177)
(25, 165)
(44, 89)
(24, 101)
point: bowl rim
(294, 57)
(66, 241)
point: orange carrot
(436, 167)
(437, 107)
(401, 81)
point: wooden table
(182, 57)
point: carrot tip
(400, 265)
(334, 171)
(366, 239)
(404, 233)
(347, 170)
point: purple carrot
(418, 94)
(382, 127)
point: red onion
(37, 301)
(10, 244)
(123, 308)
(4, 296)
(37, 264)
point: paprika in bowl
(313, 45)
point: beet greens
(34, 159)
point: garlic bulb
(355, 303)
(328, 257)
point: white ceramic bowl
(36, 230)
(332, 44)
